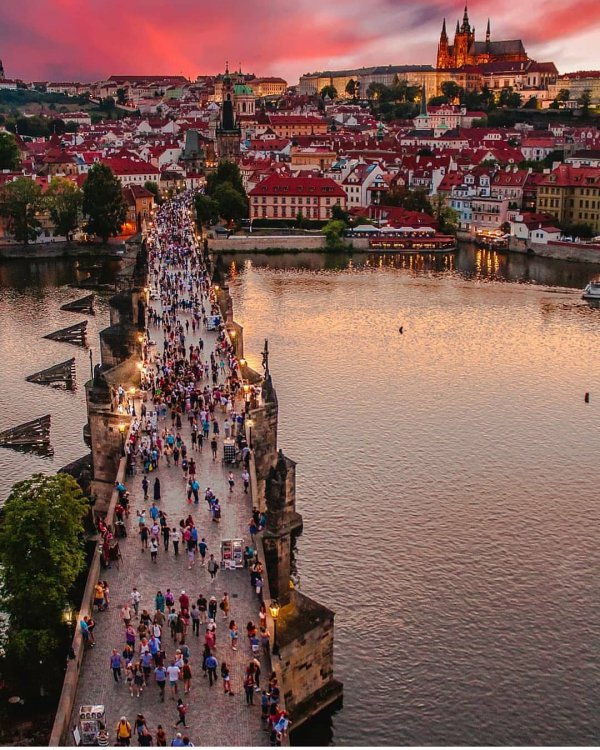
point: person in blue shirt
(211, 667)
(177, 741)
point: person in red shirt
(184, 601)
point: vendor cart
(91, 720)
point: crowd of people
(186, 382)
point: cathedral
(466, 51)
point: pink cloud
(89, 40)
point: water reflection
(469, 262)
(31, 294)
(447, 480)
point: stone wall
(267, 242)
(565, 251)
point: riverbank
(48, 250)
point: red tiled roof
(316, 186)
(128, 166)
(568, 176)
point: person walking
(145, 485)
(202, 549)
(135, 598)
(226, 679)
(116, 662)
(187, 676)
(213, 567)
(211, 668)
(195, 617)
(153, 550)
(213, 447)
(246, 481)
(160, 675)
(175, 537)
(123, 732)
(224, 605)
(249, 688)
(233, 635)
(161, 736)
(157, 489)
(181, 712)
(173, 673)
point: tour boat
(592, 291)
(491, 240)
(407, 240)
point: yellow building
(571, 195)
(268, 86)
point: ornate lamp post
(122, 433)
(274, 610)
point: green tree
(207, 209)
(446, 216)
(351, 88)
(107, 104)
(559, 100)
(41, 555)
(582, 231)
(437, 101)
(411, 200)
(329, 91)
(64, 200)
(584, 102)
(10, 157)
(227, 171)
(378, 91)
(154, 189)
(103, 202)
(451, 90)
(121, 96)
(338, 213)
(334, 232)
(531, 103)
(20, 201)
(233, 205)
(509, 98)
(41, 548)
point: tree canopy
(41, 549)
(103, 202)
(207, 209)
(20, 201)
(233, 206)
(64, 200)
(329, 91)
(10, 157)
(227, 171)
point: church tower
(228, 133)
(443, 55)
(463, 39)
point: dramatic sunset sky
(90, 39)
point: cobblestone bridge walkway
(213, 718)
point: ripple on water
(447, 482)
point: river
(447, 479)
(446, 475)
(31, 293)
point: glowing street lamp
(274, 610)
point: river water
(31, 293)
(446, 475)
(447, 478)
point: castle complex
(466, 51)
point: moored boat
(592, 291)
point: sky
(88, 40)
